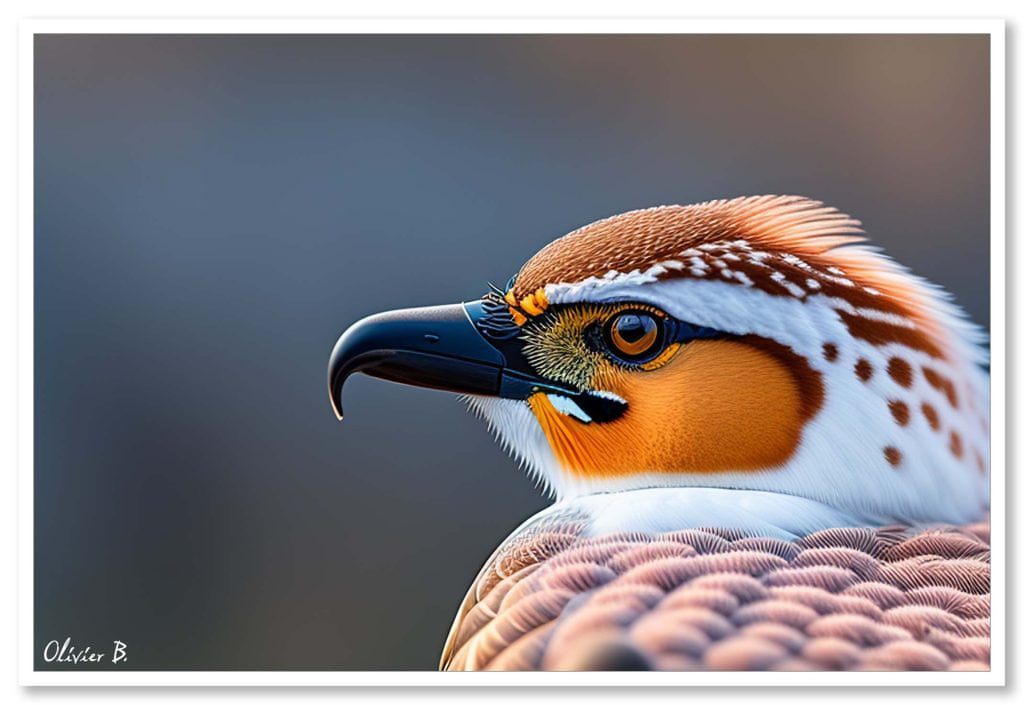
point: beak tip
(335, 400)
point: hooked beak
(447, 348)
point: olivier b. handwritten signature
(66, 652)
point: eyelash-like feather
(497, 322)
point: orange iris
(633, 333)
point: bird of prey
(767, 445)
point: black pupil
(633, 327)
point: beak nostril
(431, 337)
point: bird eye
(634, 334)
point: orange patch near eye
(664, 357)
(716, 406)
(532, 304)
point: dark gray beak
(435, 346)
(450, 348)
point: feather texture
(888, 598)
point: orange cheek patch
(717, 406)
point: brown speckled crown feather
(637, 240)
(786, 246)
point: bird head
(753, 343)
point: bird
(766, 444)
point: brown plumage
(888, 598)
(640, 239)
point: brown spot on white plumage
(864, 370)
(900, 412)
(956, 446)
(943, 384)
(900, 371)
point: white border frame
(995, 29)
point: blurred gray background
(211, 212)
